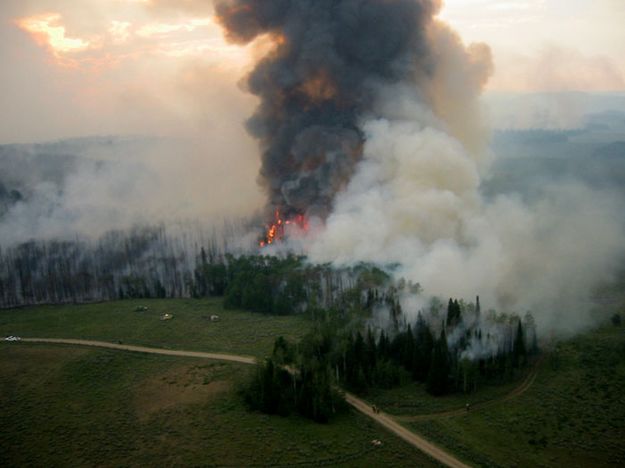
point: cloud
(177, 86)
(112, 40)
(47, 30)
(492, 14)
(584, 39)
(557, 69)
(120, 31)
(189, 7)
(72, 70)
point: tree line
(295, 381)
(151, 262)
(142, 262)
(456, 356)
(362, 338)
(465, 350)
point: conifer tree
(519, 353)
(438, 376)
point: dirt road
(409, 436)
(142, 349)
(381, 418)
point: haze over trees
(142, 262)
(462, 352)
(363, 338)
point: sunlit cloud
(47, 30)
(120, 31)
(492, 14)
(132, 37)
(164, 29)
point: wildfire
(319, 88)
(276, 231)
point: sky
(94, 67)
(547, 45)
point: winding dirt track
(384, 420)
(517, 392)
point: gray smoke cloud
(370, 116)
(322, 75)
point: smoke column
(329, 59)
(369, 118)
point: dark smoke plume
(319, 81)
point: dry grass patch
(18, 358)
(179, 386)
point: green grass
(65, 406)
(77, 406)
(236, 332)
(573, 415)
(412, 398)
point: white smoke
(415, 201)
(90, 186)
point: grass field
(76, 406)
(190, 329)
(64, 406)
(412, 399)
(573, 414)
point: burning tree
(279, 227)
(321, 77)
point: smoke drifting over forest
(369, 117)
(89, 186)
(369, 121)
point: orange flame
(276, 230)
(319, 88)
